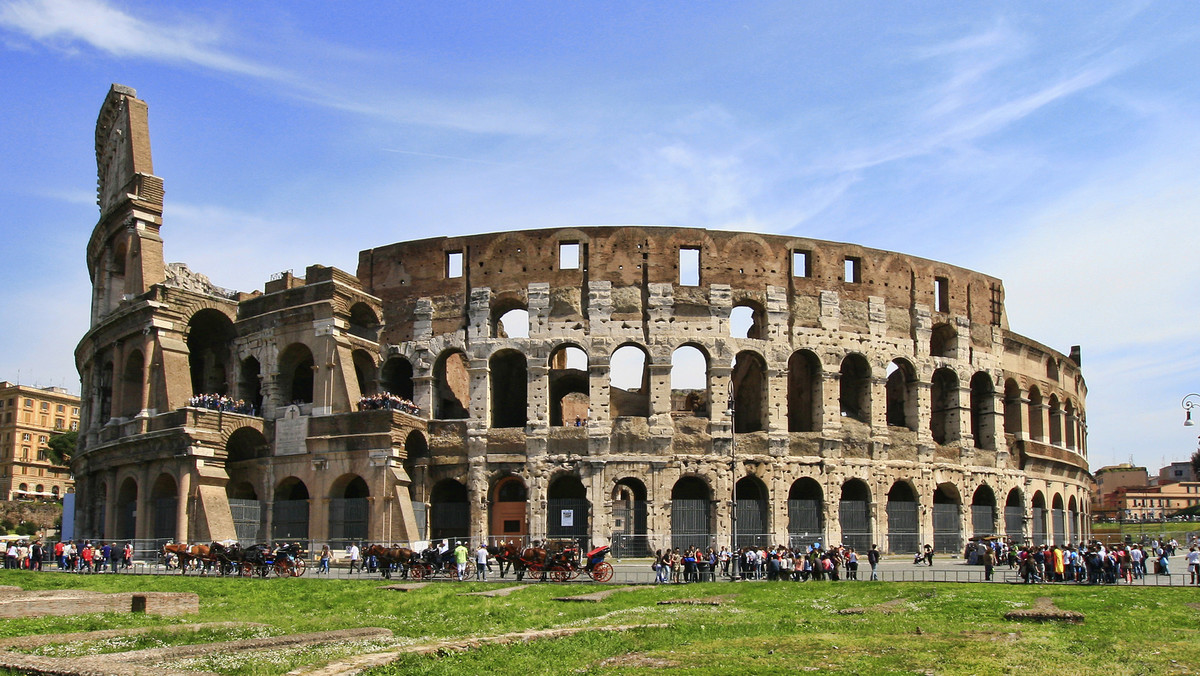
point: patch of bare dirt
(637, 660)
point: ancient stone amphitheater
(642, 386)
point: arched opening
(1036, 431)
(568, 512)
(510, 322)
(449, 511)
(289, 512)
(116, 275)
(983, 512)
(133, 380)
(1073, 526)
(983, 409)
(364, 372)
(246, 510)
(689, 382)
(296, 375)
(1014, 517)
(397, 377)
(349, 510)
(416, 464)
(750, 510)
(854, 389)
(106, 392)
(854, 515)
(510, 502)
(806, 517)
(1013, 420)
(629, 518)
(250, 383)
(804, 392)
(943, 341)
(749, 378)
(451, 386)
(210, 333)
(904, 521)
(1039, 519)
(507, 372)
(127, 509)
(947, 519)
(748, 319)
(245, 444)
(629, 383)
(1071, 425)
(1058, 517)
(691, 513)
(364, 323)
(164, 496)
(569, 386)
(1056, 436)
(902, 406)
(944, 406)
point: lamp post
(1189, 402)
(735, 553)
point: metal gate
(1072, 527)
(751, 518)
(247, 519)
(421, 517)
(983, 520)
(567, 519)
(630, 524)
(855, 519)
(164, 518)
(1060, 526)
(1014, 528)
(348, 518)
(127, 520)
(947, 528)
(691, 523)
(904, 527)
(289, 520)
(1039, 526)
(804, 520)
(448, 520)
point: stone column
(109, 527)
(144, 522)
(181, 506)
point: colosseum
(640, 386)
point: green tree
(1196, 462)
(62, 447)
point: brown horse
(186, 554)
(507, 554)
(386, 556)
(534, 559)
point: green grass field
(760, 628)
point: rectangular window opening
(941, 289)
(801, 264)
(568, 255)
(454, 264)
(689, 266)
(853, 270)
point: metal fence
(691, 523)
(1014, 516)
(904, 527)
(947, 528)
(855, 518)
(983, 520)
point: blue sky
(1056, 146)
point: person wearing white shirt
(1193, 564)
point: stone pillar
(660, 398)
(537, 397)
(479, 372)
(925, 407)
(143, 524)
(109, 527)
(181, 506)
(831, 404)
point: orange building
(29, 416)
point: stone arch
(416, 459)
(133, 382)
(349, 510)
(1014, 422)
(944, 405)
(804, 397)
(1058, 520)
(509, 508)
(570, 385)
(1074, 527)
(854, 389)
(983, 511)
(629, 517)
(629, 381)
(1036, 431)
(106, 391)
(396, 377)
(289, 512)
(904, 520)
(250, 383)
(1071, 425)
(451, 386)
(449, 511)
(296, 374)
(947, 519)
(1056, 435)
(690, 381)
(943, 341)
(983, 409)
(752, 512)
(210, 333)
(127, 496)
(750, 393)
(748, 319)
(806, 514)
(164, 498)
(691, 512)
(1038, 503)
(902, 398)
(509, 317)
(854, 514)
(1014, 516)
(364, 322)
(246, 444)
(365, 372)
(568, 511)
(507, 373)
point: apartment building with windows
(29, 416)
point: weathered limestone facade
(843, 394)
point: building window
(74, 425)
(689, 266)
(454, 264)
(42, 438)
(941, 293)
(74, 410)
(45, 406)
(568, 255)
(59, 423)
(28, 403)
(853, 269)
(60, 408)
(802, 264)
(42, 455)
(26, 436)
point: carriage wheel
(245, 569)
(417, 572)
(560, 574)
(298, 568)
(537, 571)
(602, 572)
(572, 572)
(280, 569)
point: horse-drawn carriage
(558, 560)
(233, 559)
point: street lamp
(1188, 404)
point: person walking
(1193, 564)
(324, 560)
(355, 557)
(460, 560)
(873, 560)
(481, 562)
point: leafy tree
(1196, 462)
(26, 528)
(62, 447)
(6, 525)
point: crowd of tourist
(387, 401)
(799, 564)
(221, 402)
(84, 557)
